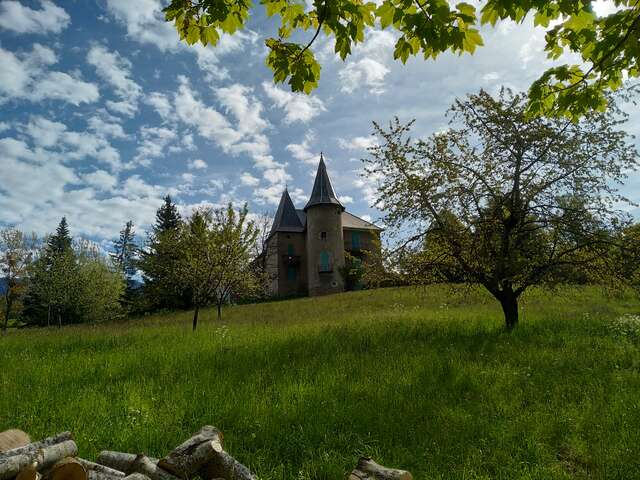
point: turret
(325, 242)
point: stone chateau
(306, 247)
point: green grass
(423, 379)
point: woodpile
(201, 456)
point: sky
(103, 112)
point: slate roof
(322, 193)
(287, 218)
(349, 220)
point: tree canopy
(607, 45)
(504, 199)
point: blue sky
(103, 112)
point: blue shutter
(355, 240)
(324, 262)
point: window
(292, 273)
(290, 250)
(324, 266)
(323, 235)
(355, 240)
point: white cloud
(198, 164)
(19, 18)
(145, 24)
(345, 199)
(188, 177)
(249, 180)
(25, 76)
(161, 104)
(239, 101)
(357, 143)
(368, 66)
(302, 151)
(154, 142)
(365, 72)
(116, 71)
(106, 126)
(297, 107)
(100, 180)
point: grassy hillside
(424, 379)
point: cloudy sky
(103, 112)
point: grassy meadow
(424, 379)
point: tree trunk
(225, 466)
(43, 458)
(195, 317)
(509, 304)
(48, 315)
(97, 471)
(130, 463)
(59, 319)
(68, 468)
(7, 312)
(219, 311)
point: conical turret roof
(322, 193)
(286, 219)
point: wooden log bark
(189, 457)
(367, 469)
(48, 456)
(11, 439)
(101, 469)
(225, 466)
(11, 466)
(66, 469)
(130, 463)
(33, 447)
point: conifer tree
(126, 251)
(61, 241)
(162, 287)
(167, 217)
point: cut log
(96, 467)
(49, 456)
(11, 466)
(367, 469)
(11, 439)
(29, 473)
(189, 457)
(225, 466)
(35, 446)
(136, 476)
(66, 469)
(130, 463)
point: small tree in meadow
(510, 200)
(16, 250)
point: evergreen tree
(126, 251)
(167, 217)
(61, 241)
(158, 261)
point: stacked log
(202, 456)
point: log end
(10, 439)
(67, 469)
(29, 473)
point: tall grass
(424, 379)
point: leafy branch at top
(608, 46)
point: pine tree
(61, 241)
(167, 217)
(126, 250)
(162, 287)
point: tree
(167, 217)
(16, 250)
(53, 276)
(216, 254)
(125, 251)
(100, 286)
(158, 261)
(235, 237)
(607, 45)
(200, 256)
(530, 196)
